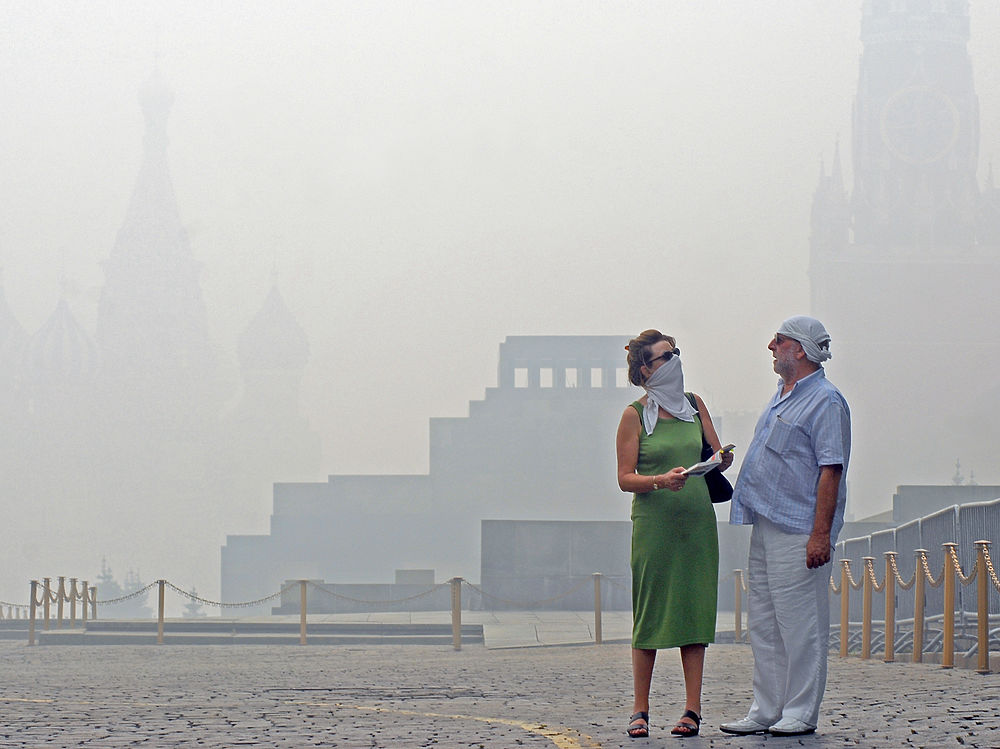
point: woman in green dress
(675, 545)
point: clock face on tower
(919, 124)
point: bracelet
(655, 487)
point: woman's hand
(727, 460)
(674, 480)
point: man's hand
(817, 550)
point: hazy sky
(430, 177)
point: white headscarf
(811, 334)
(665, 389)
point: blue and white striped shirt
(798, 433)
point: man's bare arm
(818, 546)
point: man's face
(786, 352)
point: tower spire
(151, 325)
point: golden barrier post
(72, 602)
(303, 610)
(890, 608)
(46, 591)
(866, 609)
(60, 597)
(948, 646)
(845, 588)
(598, 635)
(738, 603)
(31, 623)
(93, 602)
(456, 613)
(83, 599)
(159, 613)
(982, 609)
(918, 606)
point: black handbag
(719, 488)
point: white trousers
(789, 622)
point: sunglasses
(666, 355)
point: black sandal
(686, 729)
(636, 730)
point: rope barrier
(870, 572)
(927, 573)
(855, 584)
(899, 579)
(966, 579)
(615, 582)
(989, 567)
(45, 594)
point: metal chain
(927, 572)
(989, 566)
(329, 592)
(966, 579)
(870, 572)
(834, 587)
(526, 604)
(899, 578)
(239, 604)
(127, 596)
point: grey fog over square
(378, 194)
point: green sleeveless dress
(675, 544)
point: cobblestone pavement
(429, 696)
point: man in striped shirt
(792, 489)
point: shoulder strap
(693, 402)
(694, 405)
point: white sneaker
(791, 727)
(743, 727)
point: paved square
(430, 696)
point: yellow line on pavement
(561, 736)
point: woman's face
(657, 357)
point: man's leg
(769, 660)
(802, 609)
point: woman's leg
(642, 677)
(693, 664)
